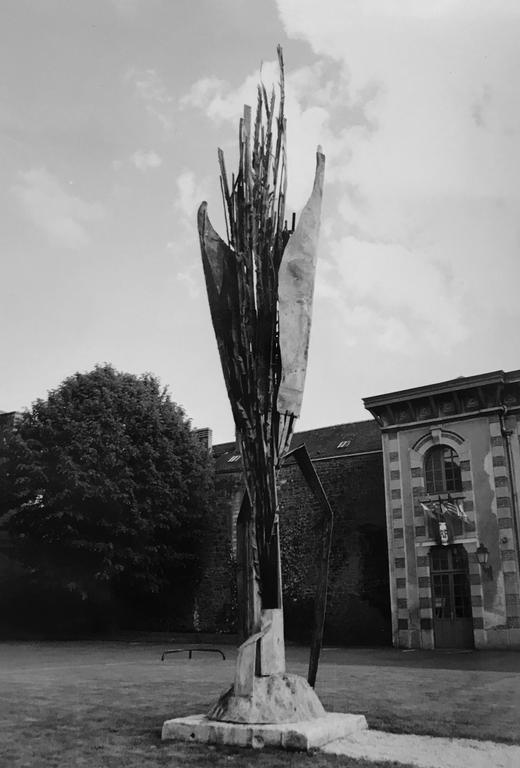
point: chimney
(205, 438)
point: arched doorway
(451, 596)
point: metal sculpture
(260, 288)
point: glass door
(451, 595)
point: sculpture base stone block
(304, 735)
(282, 698)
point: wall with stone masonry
(215, 605)
(358, 609)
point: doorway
(451, 595)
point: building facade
(451, 456)
(349, 461)
(426, 541)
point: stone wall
(215, 605)
(358, 602)
(358, 607)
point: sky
(111, 112)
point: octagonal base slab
(303, 735)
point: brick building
(452, 467)
(426, 542)
(348, 459)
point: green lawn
(103, 704)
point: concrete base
(305, 735)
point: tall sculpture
(260, 287)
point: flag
(449, 508)
(456, 508)
(463, 515)
(460, 506)
(430, 510)
(432, 517)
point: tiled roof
(8, 419)
(325, 442)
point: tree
(109, 492)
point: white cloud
(184, 243)
(152, 91)
(190, 279)
(51, 207)
(190, 194)
(385, 293)
(422, 218)
(205, 93)
(144, 161)
(311, 92)
(431, 77)
(416, 106)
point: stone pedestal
(281, 698)
(282, 710)
(303, 735)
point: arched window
(442, 470)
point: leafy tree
(109, 492)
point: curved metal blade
(214, 251)
(295, 292)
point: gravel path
(426, 751)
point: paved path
(426, 751)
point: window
(442, 470)
(343, 444)
(236, 457)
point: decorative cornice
(462, 398)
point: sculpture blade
(295, 290)
(214, 251)
(218, 261)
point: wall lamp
(482, 558)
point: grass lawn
(103, 704)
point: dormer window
(344, 444)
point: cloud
(144, 161)
(190, 279)
(184, 244)
(54, 210)
(369, 286)
(417, 110)
(421, 219)
(206, 93)
(151, 90)
(190, 194)
(311, 119)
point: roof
(8, 419)
(460, 383)
(325, 442)
(460, 398)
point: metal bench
(191, 650)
